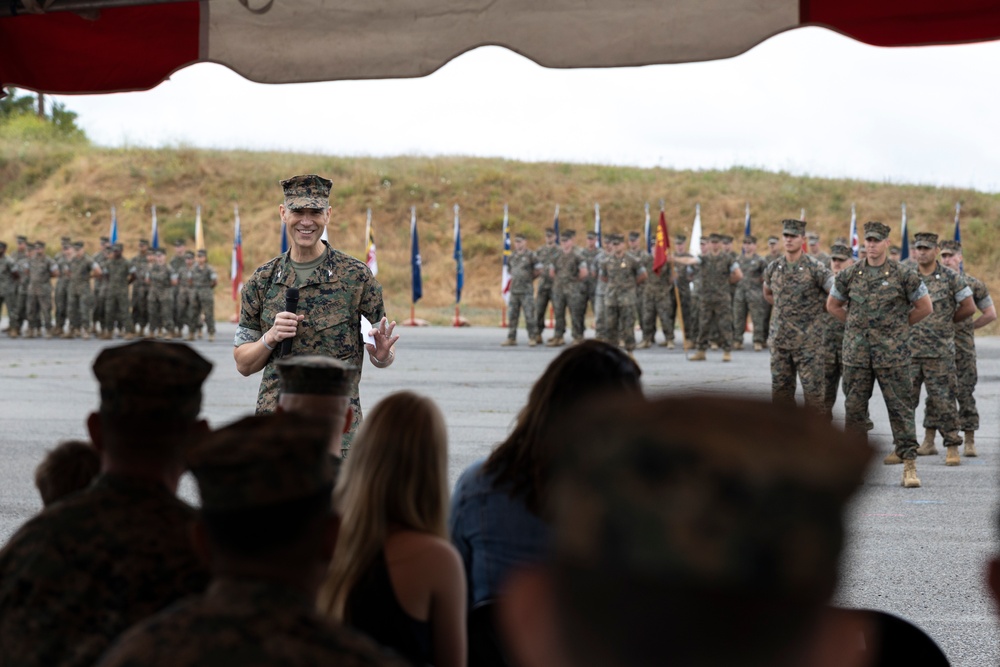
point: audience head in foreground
(692, 531)
(319, 386)
(68, 468)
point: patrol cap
(262, 460)
(307, 191)
(714, 238)
(895, 249)
(189, 255)
(105, 239)
(78, 245)
(680, 238)
(550, 231)
(203, 253)
(925, 240)
(39, 245)
(591, 235)
(841, 240)
(117, 247)
(840, 251)
(949, 247)
(666, 493)
(616, 238)
(725, 238)
(750, 239)
(178, 243)
(812, 237)
(66, 241)
(159, 251)
(773, 239)
(568, 234)
(151, 380)
(316, 374)
(633, 236)
(520, 237)
(22, 239)
(876, 230)
(793, 227)
(143, 242)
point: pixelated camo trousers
(897, 390)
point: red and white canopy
(117, 45)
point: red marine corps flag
(661, 251)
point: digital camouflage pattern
(646, 261)
(941, 411)
(715, 305)
(333, 298)
(600, 288)
(8, 286)
(307, 191)
(658, 301)
(316, 375)
(41, 269)
(61, 290)
(21, 258)
(116, 301)
(203, 282)
(749, 299)
(546, 255)
(934, 336)
(81, 297)
(965, 358)
(568, 292)
(87, 568)
(522, 266)
(833, 344)
(620, 275)
(160, 295)
(140, 291)
(100, 286)
(688, 315)
(228, 625)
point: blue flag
(459, 270)
(114, 226)
(904, 250)
(746, 224)
(854, 232)
(555, 225)
(284, 238)
(597, 225)
(958, 233)
(156, 232)
(648, 232)
(418, 289)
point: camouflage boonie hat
(876, 230)
(317, 375)
(262, 460)
(667, 493)
(925, 240)
(568, 234)
(750, 239)
(151, 380)
(793, 227)
(840, 251)
(633, 236)
(950, 247)
(307, 191)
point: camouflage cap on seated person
(840, 251)
(307, 191)
(950, 247)
(317, 375)
(151, 381)
(925, 240)
(876, 230)
(793, 227)
(667, 493)
(262, 460)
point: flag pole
(551, 324)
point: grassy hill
(49, 189)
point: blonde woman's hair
(397, 474)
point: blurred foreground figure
(678, 541)
(86, 568)
(318, 386)
(68, 468)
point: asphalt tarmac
(917, 553)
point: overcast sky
(808, 101)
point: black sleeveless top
(373, 609)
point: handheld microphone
(291, 305)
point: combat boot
(714, 346)
(910, 479)
(105, 335)
(211, 338)
(644, 344)
(699, 355)
(892, 459)
(190, 337)
(509, 342)
(532, 340)
(555, 341)
(12, 332)
(69, 333)
(31, 333)
(951, 458)
(738, 345)
(927, 447)
(85, 334)
(727, 356)
(688, 345)
(50, 333)
(757, 347)
(128, 335)
(970, 443)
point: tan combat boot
(892, 459)
(556, 341)
(727, 356)
(85, 334)
(644, 344)
(699, 355)
(508, 342)
(757, 347)
(952, 458)
(688, 345)
(738, 345)
(69, 333)
(190, 337)
(970, 443)
(910, 479)
(927, 447)
(211, 338)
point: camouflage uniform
(621, 274)
(119, 273)
(203, 281)
(140, 291)
(965, 359)
(749, 298)
(176, 264)
(800, 291)
(879, 300)
(100, 287)
(590, 283)
(833, 343)
(159, 279)
(185, 307)
(694, 275)
(600, 289)
(932, 352)
(40, 272)
(62, 290)
(658, 302)
(20, 300)
(522, 276)
(339, 290)
(81, 306)
(567, 292)
(715, 305)
(645, 259)
(85, 569)
(544, 296)
(8, 287)
(688, 315)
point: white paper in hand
(366, 331)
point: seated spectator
(68, 468)
(496, 518)
(702, 531)
(268, 529)
(394, 575)
(85, 569)
(319, 386)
